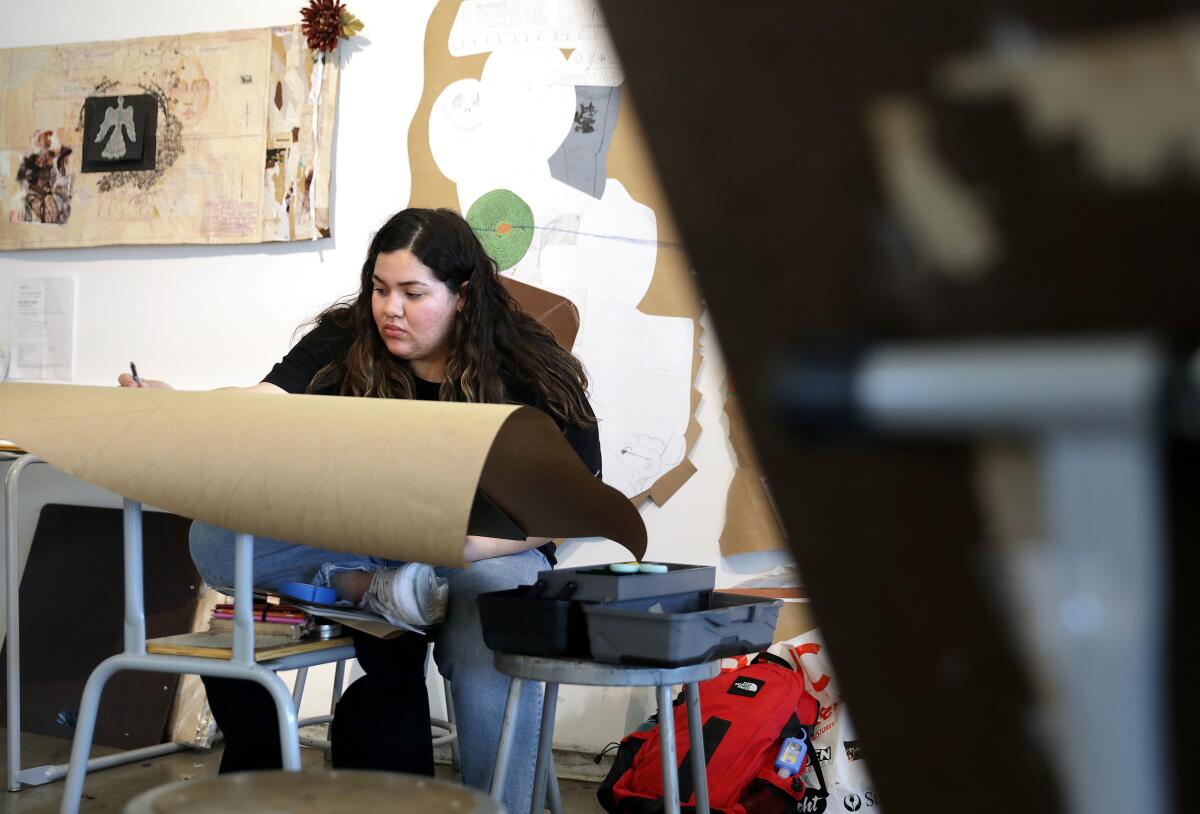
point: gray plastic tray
(595, 583)
(681, 629)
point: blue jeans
(479, 691)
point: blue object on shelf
(308, 593)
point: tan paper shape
(750, 520)
(389, 478)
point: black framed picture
(119, 133)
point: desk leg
(696, 740)
(298, 687)
(455, 752)
(12, 577)
(89, 707)
(552, 790)
(666, 738)
(545, 760)
(507, 733)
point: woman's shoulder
(329, 336)
(528, 394)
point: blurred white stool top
(312, 792)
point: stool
(575, 671)
(310, 792)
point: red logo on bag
(811, 649)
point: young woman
(431, 321)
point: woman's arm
(126, 380)
(484, 548)
(261, 387)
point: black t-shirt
(328, 342)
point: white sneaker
(411, 596)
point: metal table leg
(666, 739)
(298, 686)
(12, 578)
(696, 739)
(240, 665)
(545, 749)
(552, 791)
(507, 733)
(455, 754)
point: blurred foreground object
(857, 183)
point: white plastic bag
(842, 784)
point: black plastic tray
(679, 629)
(525, 621)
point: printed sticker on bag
(746, 686)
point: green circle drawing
(504, 224)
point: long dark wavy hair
(494, 344)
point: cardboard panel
(72, 618)
(386, 477)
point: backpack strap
(713, 732)
(770, 658)
(816, 767)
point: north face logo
(747, 687)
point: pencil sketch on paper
(646, 458)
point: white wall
(202, 317)
(205, 316)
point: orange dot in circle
(504, 228)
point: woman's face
(414, 312)
(189, 91)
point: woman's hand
(126, 380)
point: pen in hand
(133, 369)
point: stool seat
(595, 674)
(312, 792)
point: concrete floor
(110, 789)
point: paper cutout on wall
(582, 158)
(205, 138)
(751, 522)
(499, 103)
(504, 224)
(391, 478)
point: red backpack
(746, 713)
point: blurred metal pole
(1094, 410)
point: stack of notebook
(269, 620)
